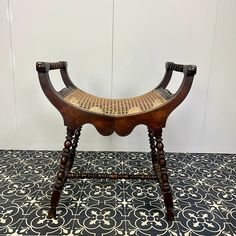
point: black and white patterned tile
(203, 187)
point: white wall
(117, 48)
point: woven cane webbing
(116, 107)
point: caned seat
(116, 107)
(78, 107)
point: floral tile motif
(231, 217)
(19, 189)
(104, 162)
(102, 190)
(200, 220)
(149, 220)
(10, 217)
(71, 191)
(203, 187)
(36, 222)
(223, 192)
(100, 219)
(190, 192)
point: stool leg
(61, 174)
(161, 172)
(154, 155)
(73, 148)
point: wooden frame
(74, 118)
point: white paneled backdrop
(118, 48)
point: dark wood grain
(74, 118)
(61, 174)
(105, 124)
(160, 169)
(73, 147)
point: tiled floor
(203, 187)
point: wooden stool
(114, 115)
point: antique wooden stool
(114, 115)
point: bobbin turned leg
(61, 174)
(73, 148)
(159, 164)
(154, 156)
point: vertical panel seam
(112, 53)
(12, 61)
(209, 76)
(112, 45)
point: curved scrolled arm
(186, 69)
(154, 115)
(170, 67)
(45, 67)
(189, 72)
(45, 82)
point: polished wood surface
(75, 117)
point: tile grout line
(124, 198)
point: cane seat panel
(115, 107)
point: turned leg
(154, 155)
(61, 174)
(161, 167)
(73, 148)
